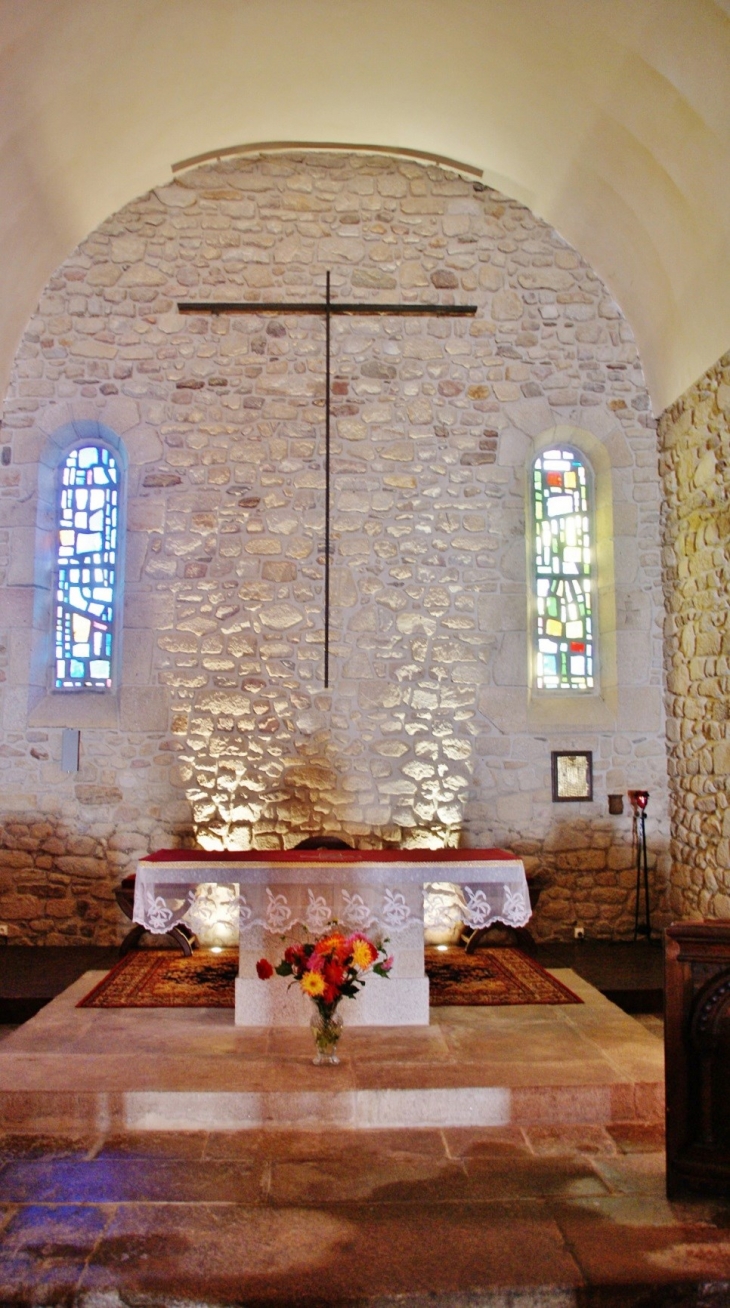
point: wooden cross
(328, 309)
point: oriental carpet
(161, 978)
(491, 977)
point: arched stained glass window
(564, 648)
(86, 569)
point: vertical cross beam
(327, 488)
(328, 309)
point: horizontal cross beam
(333, 308)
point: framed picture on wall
(572, 775)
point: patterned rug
(163, 978)
(491, 976)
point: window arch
(563, 572)
(86, 569)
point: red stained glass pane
(562, 577)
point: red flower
(264, 969)
(334, 973)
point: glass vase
(327, 1029)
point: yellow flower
(363, 954)
(312, 983)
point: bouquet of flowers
(326, 969)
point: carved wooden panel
(697, 1013)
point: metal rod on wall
(327, 319)
(328, 310)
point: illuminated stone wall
(695, 444)
(221, 729)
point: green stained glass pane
(563, 554)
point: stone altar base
(399, 1001)
(82, 1070)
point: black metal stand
(642, 872)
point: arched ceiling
(609, 118)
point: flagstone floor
(495, 1217)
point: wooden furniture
(499, 934)
(697, 1048)
(124, 895)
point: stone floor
(496, 1217)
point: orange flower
(331, 944)
(312, 983)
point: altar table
(280, 894)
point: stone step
(58, 1112)
(81, 1070)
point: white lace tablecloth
(388, 891)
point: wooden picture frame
(572, 775)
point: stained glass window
(86, 569)
(563, 573)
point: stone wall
(695, 466)
(221, 730)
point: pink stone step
(81, 1070)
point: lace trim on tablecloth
(212, 907)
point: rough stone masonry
(695, 445)
(220, 730)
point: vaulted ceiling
(609, 118)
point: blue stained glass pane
(86, 569)
(563, 640)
